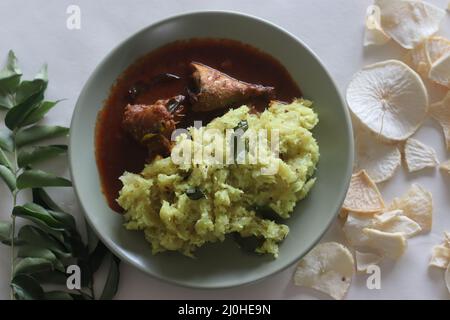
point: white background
(36, 31)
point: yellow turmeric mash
(182, 205)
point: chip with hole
(328, 268)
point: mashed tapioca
(181, 205)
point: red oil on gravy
(116, 152)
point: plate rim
(110, 244)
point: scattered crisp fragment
(409, 22)
(440, 256)
(440, 71)
(447, 239)
(363, 195)
(417, 204)
(440, 111)
(391, 245)
(419, 156)
(389, 98)
(445, 166)
(395, 221)
(380, 160)
(328, 268)
(447, 272)
(386, 216)
(353, 229)
(374, 34)
(366, 259)
(426, 53)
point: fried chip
(391, 245)
(440, 111)
(353, 229)
(440, 256)
(379, 159)
(440, 71)
(426, 53)
(363, 195)
(328, 268)
(395, 221)
(419, 156)
(374, 34)
(447, 272)
(409, 22)
(389, 98)
(366, 259)
(445, 166)
(416, 204)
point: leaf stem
(13, 217)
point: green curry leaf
(38, 178)
(7, 176)
(26, 288)
(30, 265)
(39, 153)
(39, 133)
(112, 281)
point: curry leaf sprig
(42, 250)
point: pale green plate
(222, 264)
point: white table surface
(36, 31)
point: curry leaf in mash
(38, 178)
(39, 153)
(242, 125)
(247, 244)
(26, 288)
(8, 177)
(39, 133)
(194, 193)
(112, 281)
